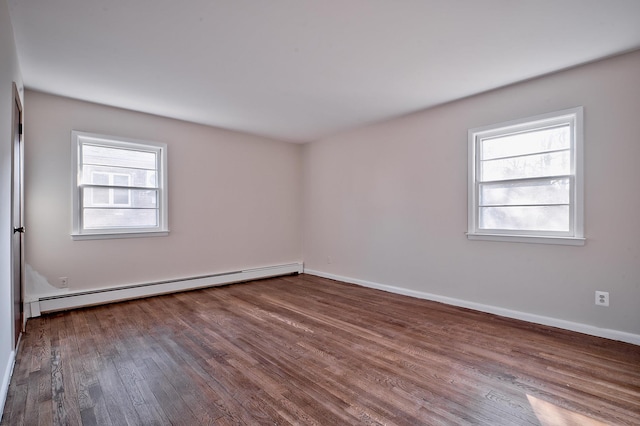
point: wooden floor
(305, 350)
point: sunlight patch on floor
(552, 415)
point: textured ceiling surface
(303, 70)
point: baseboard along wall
(524, 316)
(6, 379)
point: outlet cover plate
(602, 298)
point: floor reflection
(552, 415)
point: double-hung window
(526, 180)
(119, 187)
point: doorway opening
(17, 246)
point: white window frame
(574, 118)
(78, 139)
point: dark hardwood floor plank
(307, 350)
(31, 405)
(16, 415)
(172, 405)
(57, 389)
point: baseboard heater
(115, 294)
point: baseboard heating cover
(114, 294)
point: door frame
(16, 131)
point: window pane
(98, 196)
(542, 218)
(547, 191)
(120, 218)
(120, 196)
(136, 198)
(535, 141)
(100, 178)
(105, 156)
(531, 166)
(121, 176)
(121, 180)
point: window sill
(112, 235)
(567, 241)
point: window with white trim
(119, 187)
(525, 180)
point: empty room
(320, 212)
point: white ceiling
(300, 70)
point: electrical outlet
(602, 298)
(328, 259)
(64, 282)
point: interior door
(18, 228)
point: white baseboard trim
(6, 379)
(71, 300)
(622, 336)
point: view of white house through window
(526, 178)
(119, 188)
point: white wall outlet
(602, 298)
(328, 259)
(64, 282)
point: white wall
(388, 204)
(234, 200)
(9, 73)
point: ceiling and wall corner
(301, 71)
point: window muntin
(119, 187)
(113, 195)
(525, 179)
